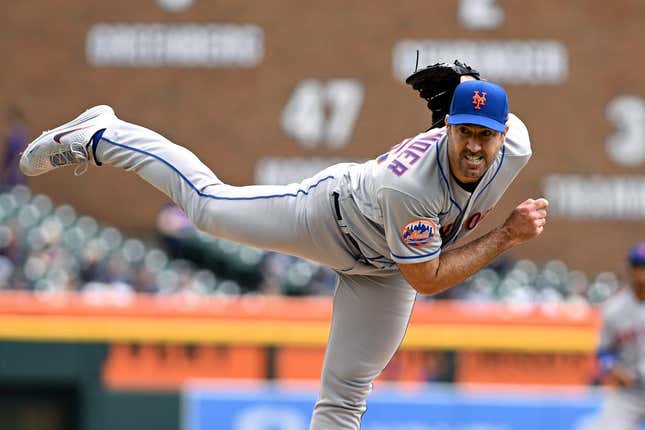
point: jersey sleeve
(606, 338)
(411, 229)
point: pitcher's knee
(202, 213)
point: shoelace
(81, 154)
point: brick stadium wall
(231, 116)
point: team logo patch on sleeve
(418, 232)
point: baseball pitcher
(391, 227)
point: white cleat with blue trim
(66, 145)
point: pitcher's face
(472, 149)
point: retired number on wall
(323, 112)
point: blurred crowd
(47, 248)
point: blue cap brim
(480, 120)
(637, 255)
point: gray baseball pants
(371, 308)
(624, 409)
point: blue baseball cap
(480, 103)
(637, 255)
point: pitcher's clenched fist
(527, 220)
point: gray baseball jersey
(623, 330)
(359, 219)
(623, 333)
(405, 206)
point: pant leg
(296, 219)
(370, 317)
(623, 410)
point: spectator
(16, 140)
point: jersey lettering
(382, 158)
(630, 335)
(397, 148)
(422, 145)
(470, 223)
(412, 153)
(473, 220)
(397, 167)
(445, 229)
(394, 149)
(412, 156)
